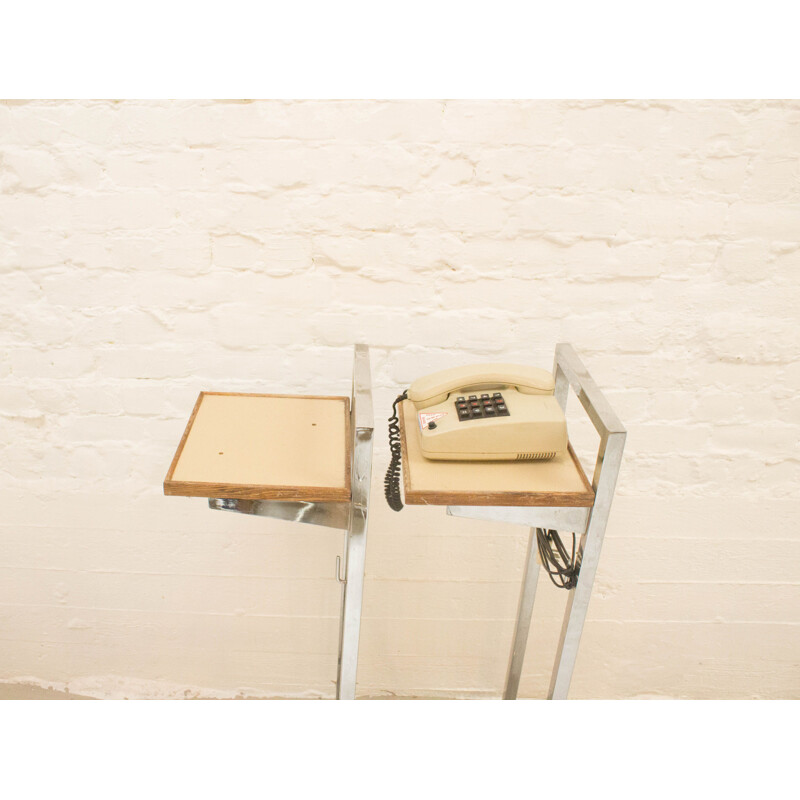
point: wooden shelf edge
(521, 499)
(229, 491)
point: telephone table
(291, 457)
(539, 494)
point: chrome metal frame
(355, 544)
(590, 523)
(350, 517)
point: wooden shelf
(264, 447)
(558, 482)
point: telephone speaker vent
(535, 456)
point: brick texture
(149, 250)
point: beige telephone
(488, 412)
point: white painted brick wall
(149, 250)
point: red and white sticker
(426, 419)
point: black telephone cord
(391, 483)
(562, 568)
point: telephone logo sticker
(426, 419)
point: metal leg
(351, 518)
(350, 627)
(570, 372)
(609, 458)
(526, 597)
(356, 537)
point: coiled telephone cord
(562, 568)
(391, 483)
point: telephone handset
(487, 412)
(435, 388)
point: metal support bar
(361, 424)
(350, 517)
(524, 613)
(330, 515)
(590, 523)
(606, 471)
(568, 367)
(561, 518)
(569, 370)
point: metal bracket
(561, 518)
(330, 515)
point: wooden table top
(264, 447)
(558, 482)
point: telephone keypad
(486, 406)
